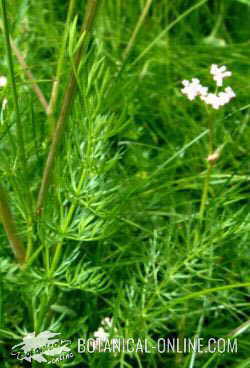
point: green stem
(59, 246)
(26, 69)
(66, 106)
(205, 192)
(60, 64)
(219, 20)
(167, 29)
(30, 241)
(20, 135)
(57, 255)
(14, 88)
(209, 170)
(136, 30)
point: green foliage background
(125, 194)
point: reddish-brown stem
(91, 12)
(10, 229)
(38, 92)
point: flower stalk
(204, 196)
(216, 100)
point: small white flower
(3, 81)
(188, 90)
(101, 334)
(213, 100)
(224, 98)
(230, 92)
(219, 73)
(107, 321)
(106, 324)
(193, 89)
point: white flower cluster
(194, 88)
(101, 335)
